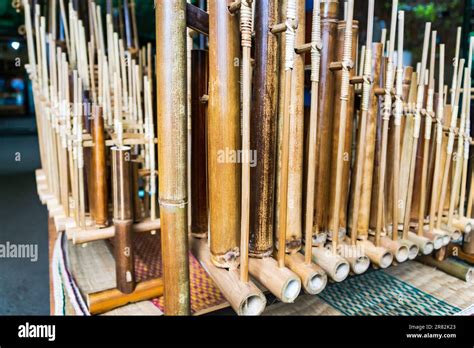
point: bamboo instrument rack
(264, 198)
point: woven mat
(204, 293)
(379, 293)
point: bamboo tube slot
(199, 198)
(263, 134)
(245, 298)
(107, 300)
(172, 133)
(223, 136)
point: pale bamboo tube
(381, 257)
(312, 141)
(313, 278)
(246, 22)
(245, 298)
(223, 136)
(416, 130)
(346, 66)
(386, 111)
(450, 145)
(427, 136)
(171, 52)
(362, 161)
(283, 192)
(439, 141)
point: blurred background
(24, 285)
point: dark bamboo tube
(123, 218)
(341, 27)
(369, 158)
(172, 152)
(99, 210)
(263, 132)
(224, 135)
(137, 201)
(329, 14)
(199, 83)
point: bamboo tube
(345, 189)
(199, 203)
(171, 52)
(245, 298)
(386, 112)
(313, 278)
(107, 300)
(346, 67)
(123, 218)
(363, 167)
(336, 267)
(329, 14)
(223, 136)
(416, 131)
(290, 34)
(263, 134)
(455, 269)
(427, 136)
(450, 145)
(99, 170)
(246, 20)
(381, 257)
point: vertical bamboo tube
(172, 148)
(362, 227)
(329, 14)
(341, 27)
(99, 170)
(123, 218)
(263, 132)
(223, 135)
(199, 199)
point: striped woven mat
(378, 293)
(148, 265)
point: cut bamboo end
(425, 245)
(437, 237)
(313, 277)
(381, 257)
(399, 250)
(463, 223)
(413, 249)
(357, 259)
(458, 270)
(107, 300)
(336, 267)
(245, 298)
(280, 281)
(452, 232)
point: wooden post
(172, 148)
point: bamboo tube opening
(399, 250)
(280, 281)
(462, 223)
(413, 249)
(336, 267)
(381, 257)
(386, 259)
(252, 305)
(361, 264)
(426, 245)
(313, 278)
